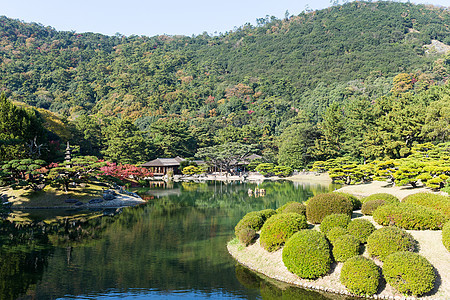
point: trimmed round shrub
(334, 233)
(246, 235)
(446, 235)
(252, 220)
(322, 205)
(409, 216)
(387, 240)
(370, 206)
(356, 203)
(334, 220)
(279, 228)
(388, 198)
(360, 276)
(345, 247)
(292, 207)
(434, 201)
(307, 254)
(361, 229)
(266, 213)
(409, 273)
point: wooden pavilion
(161, 166)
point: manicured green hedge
(446, 235)
(388, 198)
(334, 220)
(370, 206)
(246, 229)
(345, 247)
(307, 254)
(279, 228)
(434, 201)
(409, 273)
(246, 235)
(360, 276)
(295, 207)
(334, 233)
(356, 203)
(361, 229)
(409, 216)
(387, 240)
(266, 213)
(322, 205)
(252, 220)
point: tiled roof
(164, 162)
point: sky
(155, 17)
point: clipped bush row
(360, 276)
(409, 273)
(409, 216)
(387, 240)
(322, 205)
(334, 220)
(335, 233)
(266, 213)
(252, 222)
(430, 200)
(388, 198)
(344, 247)
(294, 207)
(279, 228)
(246, 235)
(446, 235)
(361, 229)
(356, 203)
(307, 254)
(370, 206)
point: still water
(172, 247)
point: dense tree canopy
(353, 81)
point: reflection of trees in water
(171, 243)
(24, 254)
(26, 248)
(234, 194)
(19, 270)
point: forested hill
(355, 80)
(305, 61)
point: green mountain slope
(303, 62)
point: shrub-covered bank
(257, 259)
(339, 244)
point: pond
(174, 246)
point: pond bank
(271, 265)
(257, 259)
(87, 197)
(256, 177)
(364, 190)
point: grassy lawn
(52, 197)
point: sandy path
(363, 190)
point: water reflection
(172, 247)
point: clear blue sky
(153, 17)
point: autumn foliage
(125, 171)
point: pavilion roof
(164, 162)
